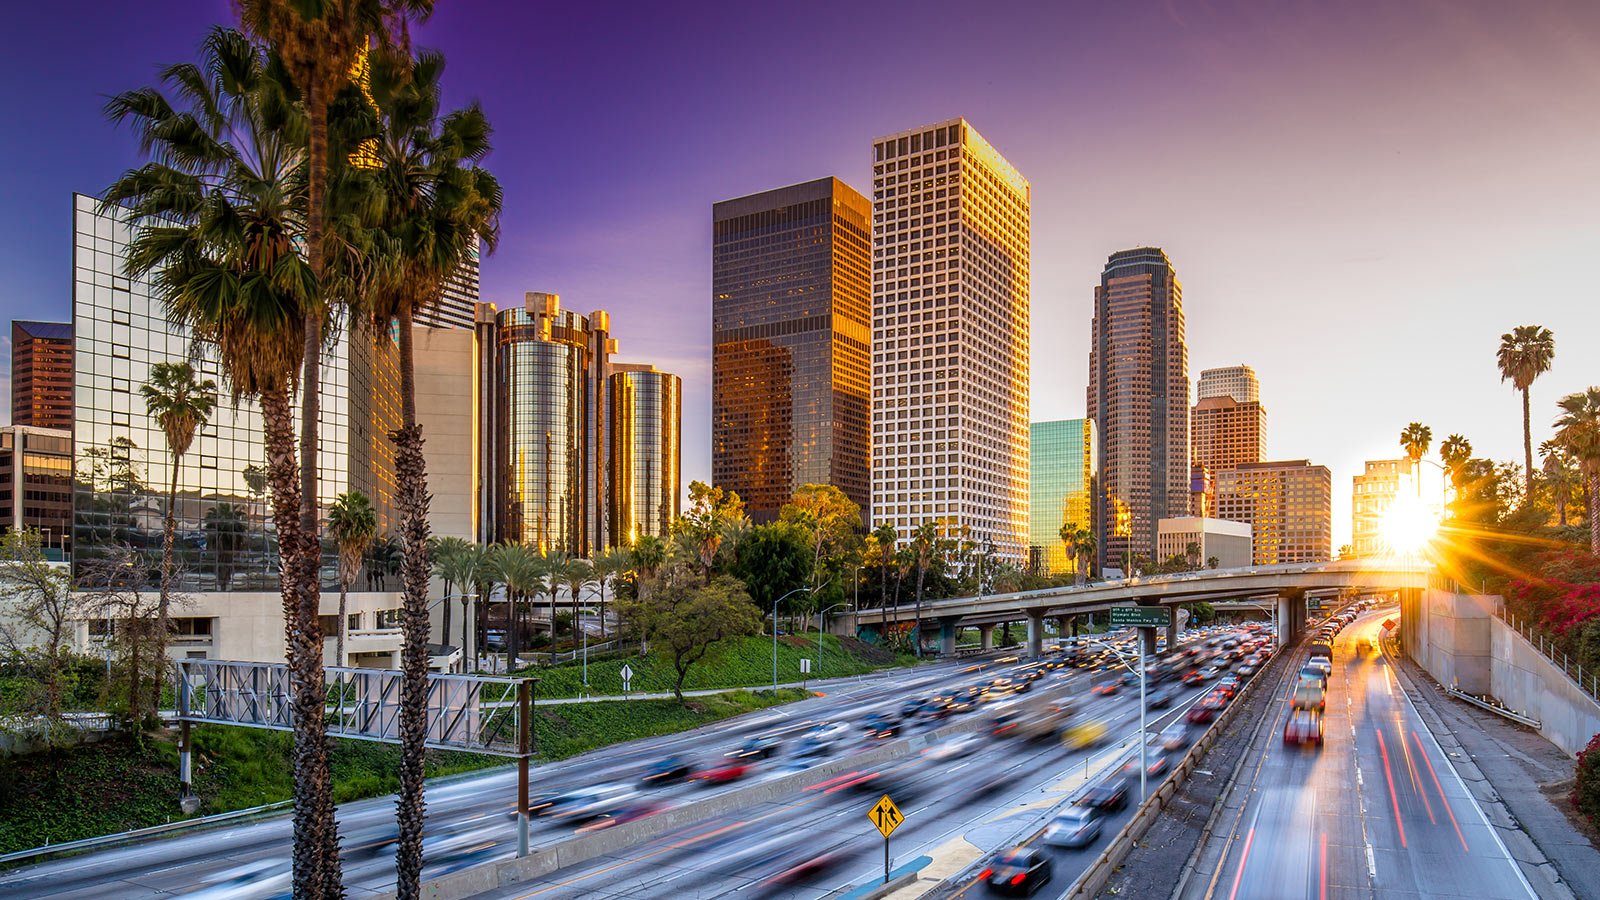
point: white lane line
(1461, 783)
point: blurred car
(1161, 698)
(1309, 695)
(594, 802)
(667, 771)
(761, 746)
(1315, 675)
(1304, 727)
(879, 726)
(723, 771)
(1018, 872)
(1175, 736)
(1246, 670)
(1199, 715)
(1109, 795)
(624, 815)
(828, 732)
(954, 748)
(1199, 676)
(1084, 734)
(1074, 827)
(914, 707)
(1155, 761)
(1107, 688)
(261, 875)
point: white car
(1077, 826)
(955, 748)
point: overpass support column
(1063, 624)
(1035, 633)
(1285, 626)
(1173, 632)
(986, 637)
(947, 636)
(1074, 626)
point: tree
(1414, 439)
(518, 568)
(180, 403)
(576, 574)
(1525, 353)
(712, 513)
(1080, 544)
(220, 218)
(1455, 452)
(686, 620)
(773, 560)
(1578, 434)
(353, 523)
(648, 557)
(826, 515)
(41, 614)
(447, 554)
(609, 566)
(225, 540)
(928, 543)
(470, 565)
(430, 205)
(1560, 477)
(883, 542)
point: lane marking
(1322, 885)
(1389, 776)
(1424, 754)
(1416, 777)
(1244, 858)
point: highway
(1377, 812)
(958, 810)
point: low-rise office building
(1202, 540)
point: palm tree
(225, 538)
(180, 403)
(1559, 476)
(649, 556)
(1578, 433)
(219, 211)
(430, 205)
(608, 566)
(577, 574)
(471, 571)
(1455, 451)
(1079, 542)
(1414, 439)
(516, 567)
(884, 538)
(353, 523)
(1525, 353)
(446, 554)
(926, 544)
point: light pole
(798, 590)
(822, 624)
(1143, 729)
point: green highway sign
(1141, 616)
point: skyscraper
(1238, 382)
(791, 336)
(458, 304)
(646, 409)
(1225, 433)
(1063, 473)
(1371, 494)
(1139, 398)
(41, 374)
(950, 320)
(1288, 502)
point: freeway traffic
(965, 797)
(1376, 811)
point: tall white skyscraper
(950, 295)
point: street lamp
(798, 590)
(1143, 708)
(822, 624)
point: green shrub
(1586, 789)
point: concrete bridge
(1286, 585)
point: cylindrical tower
(542, 398)
(645, 407)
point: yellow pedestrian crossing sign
(886, 816)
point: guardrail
(110, 840)
(1588, 682)
(1497, 710)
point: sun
(1409, 526)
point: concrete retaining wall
(1524, 680)
(572, 851)
(1461, 643)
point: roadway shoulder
(1168, 848)
(1511, 770)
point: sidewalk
(1518, 778)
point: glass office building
(790, 334)
(226, 539)
(41, 374)
(1063, 473)
(646, 411)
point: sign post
(1142, 617)
(627, 678)
(805, 669)
(887, 817)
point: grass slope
(741, 662)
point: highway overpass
(1289, 584)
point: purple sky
(1359, 197)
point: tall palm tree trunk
(411, 471)
(339, 659)
(164, 606)
(312, 778)
(466, 652)
(1527, 450)
(1593, 490)
(916, 630)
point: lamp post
(822, 624)
(1143, 730)
(798, 590)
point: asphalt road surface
(1378, 811)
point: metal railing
(1587, 681)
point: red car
(1200, 715)
(1303, 727)
(1107, 688)
(723, 772)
